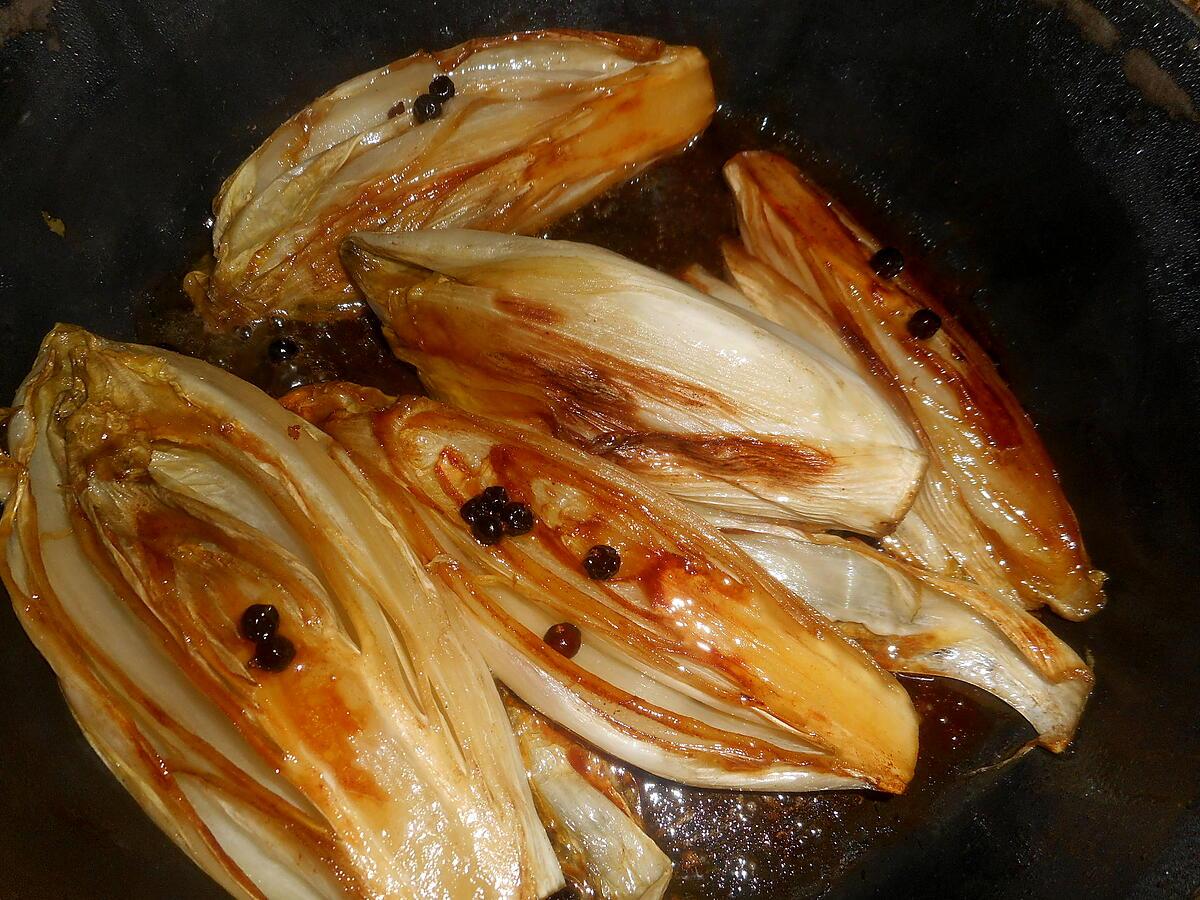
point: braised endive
(915, 621)
(583, 801)
(708, 402)
(939, 532)
(694, 664)
(156, 498)
(539, 124)
(910, 617)
(992, 508)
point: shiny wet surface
(723, 843)
(999, 147)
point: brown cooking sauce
(723, 843)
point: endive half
(694, 664)
(939, 532)
(539, 124)
(993, 507)
(157, 497)
(915, 621)
(912, 617)
(710, 403)
(583, 801)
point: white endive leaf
(157, 498)
(598, 839)
(693, 663)
(939, 532)
(993, 501)
(915, 619)
(701, 399)
(917, 622)
(539, 124)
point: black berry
(259, 622)
(888, 262)
(602, 562)
(273, 654)
(517, 518)
(564, 638)
(924, 324)
(474, 509)
(442, 88)
(487, 530)
(426, 107)
(282, 349)
(495, 498)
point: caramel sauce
(723, 843)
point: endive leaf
(694, 664)
(703, 400)
(994, 502)
(910, 617)
(760, 289)
(598, 838)
(914, 621)
(939, 532)
(539, 124)
(157, 497)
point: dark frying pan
(1041, 159)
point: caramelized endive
(693, 663)
(706, 402)
(156, 499)
(911, 618)
(590, 809)
(921, 623)
(539, 124)
(991, 507)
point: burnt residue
(1093, 24)
(1157, 86)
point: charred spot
(611, 443)
(530, 311)
(583, 383)
(752, 456)
(685, 393)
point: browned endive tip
(506, 134)
(991, 496)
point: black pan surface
(1041, 161)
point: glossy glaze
(722, 842)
